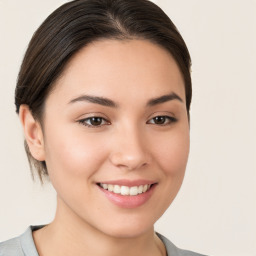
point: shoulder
(11, 247)
(175, 251)
(22, 245)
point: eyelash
(90, 119)
(168, 120)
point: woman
(103, 95)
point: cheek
(72, 154)
(172, 153)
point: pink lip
(128, 201)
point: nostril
(129, 161)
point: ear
(33, 133)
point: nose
(130, 151)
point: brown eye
(159, 119)
(162, 120)
(94, 121)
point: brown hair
(78, 23)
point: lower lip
(129, 201)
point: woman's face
(117, 119)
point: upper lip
(128, 183)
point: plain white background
(215, 211)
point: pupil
(96, 121)
(159, 119)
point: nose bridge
(130, 149)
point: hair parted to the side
(78, 23)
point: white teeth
(145, 188)
(117, 189)
(124, 190)
(105, 186)
(133, 191)
(110, 187)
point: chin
(128, 227)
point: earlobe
(33, 133)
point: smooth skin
(127, 139)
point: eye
(162, 120)
(94, 121)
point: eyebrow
(163, 99)
(110, 103)
(97, 100)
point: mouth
(126, 194)
(125, 190)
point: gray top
(24, 245)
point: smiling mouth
(125, 190)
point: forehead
(121, 68)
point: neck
(68, 234)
